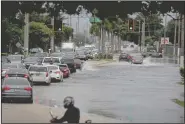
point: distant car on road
(137, 59)
(30, 61)
(71, 64)
(17, 72)
(44, 54)
(78, 63)
(124, 57)
(64, 68)
(4, 59)
(17, 88)
(40, 73)
(55, 72)
(16, 58)
(7, 66)
(57, 54)
(81, 55)
(52, 60)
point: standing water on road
(136, 93)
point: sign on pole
(165, 40)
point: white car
(53, 60)
(40, 73)
(55, 72)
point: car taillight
(6, 75)
(46, 74)
(57, 72)
(26, 76)
(28, 88)
(6, 88)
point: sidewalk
(35, 113)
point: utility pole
(140, 34)
(52, 37)
(78, 22)
(175, 37)
(165, 33)
(143, 34)
(70, 20)
(26, 34)
(182, 40)
(179, 31)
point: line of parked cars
(19, 74)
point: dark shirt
(72, 115)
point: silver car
(17, 88)
(55, 72)
(137, 60)
(7, 66)
(53, 60)
(40, 73)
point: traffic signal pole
(52, 37)
(143, 34)
(26, 34)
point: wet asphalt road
(136, 93)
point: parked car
(64, 68)
(30, 61)
(16, 58)
(17, 88)
(40, 73)
(55, 72)
(7, 66)
(71, 64)
(17, 72)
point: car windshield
(14, 81)
(38, 69)
(52, 67)
(17, 71)
(80, 52)
(68, 60)
(56, 54)
(62, 65)
(8, 66)
(40, 55)
(31, 59)
(55, 60)
(14, 58)
(137, 57)
(47, 60)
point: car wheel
(30, 100)
(48, 82)
(62, 79)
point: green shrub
(104, 56)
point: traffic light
(130, 25)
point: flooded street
(137, 93)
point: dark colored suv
(71, 64)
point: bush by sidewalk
(103, 56)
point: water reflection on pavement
(138, 93)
